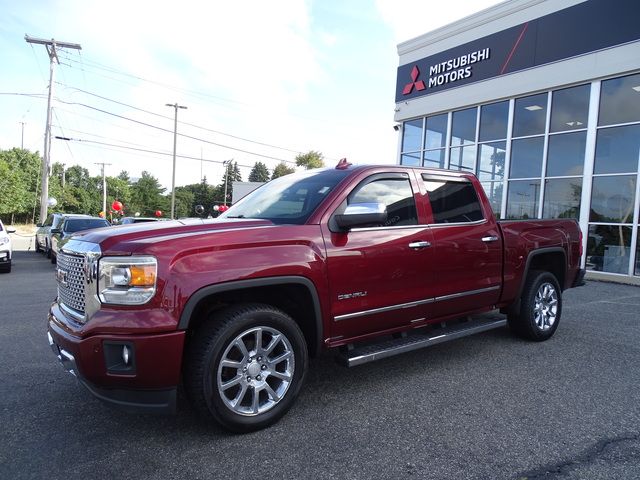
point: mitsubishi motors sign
(583, 28)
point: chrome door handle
(490, 239)
(418, 245)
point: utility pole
(226, 163)
(104, 188)
(175, 138)
(22, 137)
(51, 46)
(64, 175)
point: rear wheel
(245, 366)
(6, 268)
(38, 248)
(540, 307)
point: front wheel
(540, 307)
(245, 366)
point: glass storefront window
(463, 158)
(617, 149)
(522, 199)
(434, 158)
(620, 100)
(637, 269)
(463, 127)
(612, 199)
(609, 248)
(530, 115)
(562, 198)
(570, 108)
(526, 157)
(412, 135)
(565, 156)
(493, 190)
(491, 160)
(436, 132)
(411, 159)
(493, 121)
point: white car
(5, 248)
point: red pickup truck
(370, 261)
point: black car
(70, 225)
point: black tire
(53, 257)
(6, 268)
(38, 248)
(282, 368)
(540, 307)
(47, 250)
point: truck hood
(109, 237)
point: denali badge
(347, 296)
(61, 277)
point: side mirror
(362, 215)
(38, 225)
(11, 230)
(55, 230)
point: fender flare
(532, 254)
(199, 295)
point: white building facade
(541, 100)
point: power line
(170, 131)
(183, 123)
(145, 150)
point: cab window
(394, 193)
(453, 201)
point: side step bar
(421, 338)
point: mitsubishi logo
(408, 88)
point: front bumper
(149, 387)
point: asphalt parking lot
(485, 407)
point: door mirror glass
(362, 215)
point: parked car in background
(43, 233)
(70, 225)
(127, 220)
(5, 248)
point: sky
(262, 81)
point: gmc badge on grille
(61, 276)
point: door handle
(418, 245)
(490, 239)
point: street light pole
(175, 139)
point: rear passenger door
(467, 246)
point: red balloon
(158, 213)
(116, 205)
(223, 208)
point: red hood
(148, 232)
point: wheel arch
(291, 294)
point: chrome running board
(352, 356)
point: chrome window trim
(401, 306)
(398, 227)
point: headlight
(4, 240)
(127, 280)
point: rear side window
(395, 193)
(453, 201)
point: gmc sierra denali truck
(370, 261)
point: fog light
(125, 355)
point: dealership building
(541, 100)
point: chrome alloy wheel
(545, 309)
(255, 371)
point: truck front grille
(71, 282)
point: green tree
(147, 196)
(259, 173)
(231, 174)
(309, 160)
(184, 203)
(19, 181)
(281, 170)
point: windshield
(78, 224)
(289, 199)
